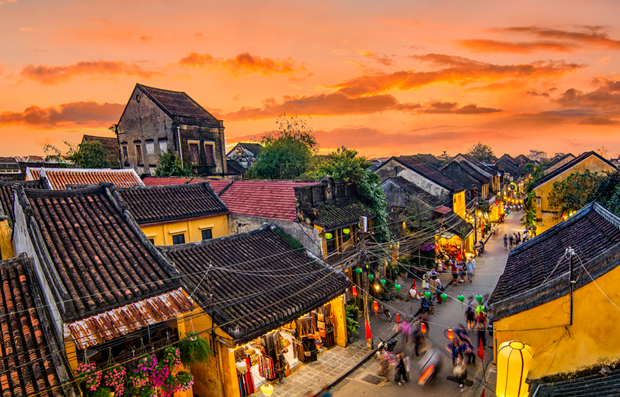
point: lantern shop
(265, 306)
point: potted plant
(194, 349)
(352, 319)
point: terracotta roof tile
(178, 105)
(7, 195)
(166, 203)
(101, 260)
(428, 171)
(273, 200)
(59, 178)
(217, 185)
(259, 281)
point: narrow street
(489, 267)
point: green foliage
(289, 239)
(574, 192)
(99, 392)
(53, 153)
(287, 153)
(352, 318)
(90, 155)
(169, 164)
(194, 349)
(445, 158)
(607, 192)
(480, 151)
(536, 171)
(529, 208)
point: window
(150, 147)
(347, 236)
(163, 146)
(210, 156)
(331, 243)
(193, 152)
(178, 239)
(207, 234)
(139, 154)
(125, 156)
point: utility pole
(571, 283)
(366, 291)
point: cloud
(604, 61)
(494, 46)
(146, 38)
(380, 58)
(605, 100)
(452, 108)
(591, 35)
(96, 20)
(244, 63)
(73, 114)
(453, 70)
(536, 93)
(25, 29)
(603, 121)
(57, 74)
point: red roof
(443, 209)
(274, 200)
(59, 178)
(217, 185)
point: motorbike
(388, 346)
(430, 365)
(479, 249)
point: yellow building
(532, 303)
(546, 215)
(177, 214)
(265, 297)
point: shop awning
(447, 235)
(428, 247)
(443, 209)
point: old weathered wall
(393, 168)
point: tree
(169, 164)
(574, 192)
(90, 155)
(445, 158)
(54, 154)
(287, 152)
(345, 165)
(480, 152)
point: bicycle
(385, 312)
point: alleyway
(489, 267)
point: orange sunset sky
(385, 77)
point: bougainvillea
(115, 379)
(89, 374)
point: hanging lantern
(267, 389)
(358, 270)
(375, 306)
(427, 294)
(413, 293)
(346, 230)
(513, 364)
(383, 281)
(461, 299)
(397, 287)
(329, 236)
(377, 287)
(479, 298)
(450, 334)
(397, 318)
(242, 367)
(371, 277)
(354, 291)
(444, 297)
(423, 328)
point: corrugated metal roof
(97, 329)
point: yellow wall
(162, 234)
(593, 333)
(339, 322)
(6, 244)
(549, 214)
(458, 204)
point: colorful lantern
(461, 298)
(397, 287)
(513, 364)
(354, 291)
(329, 236)
(450, 334)
(479, 298)
(479, 309)
(413, 293)
(397, 318)
(423, 328)
(346, 230)
(371, 277)
(267, 389)
(427, 294)
(444, 297)
(383, 281)
(375, 306)
(358, 270)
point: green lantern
(329, 236)
(427, 294)
(371, 277)
(444, 297)
(358, 270)
(346, 230)
(383, 281)
(397, 287)
(479, 298)
(461, 299)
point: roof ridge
(565, 167)
(178, 247)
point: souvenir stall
(272, 356)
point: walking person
(505, 242)
(455, 275)
(461, 272)
(384, 365)
(400, 371)
(470, 269)
(460, 371)
(511, 240)
(470, 317)
(481, 326)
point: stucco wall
(192, 229)
(593, 333)
(458, 204)
(307, 236)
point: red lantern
(354, 291)
(375, 306)
(423, 328)
(397, 318)
(450, 334)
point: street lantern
(450, 334)
(398, 318)
(354, 291)
(375, 306)
(267, 389)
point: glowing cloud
(244, 63)
(57, 74)
(380, 58)
(592, 35)
(494, 46)
(73, 114)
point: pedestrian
(453, 349)
(384, 365)
(470, 269)
(400, 371)
(461, 272)
(505, 242)
(325, 392)
(417, 340)
(470, 317)
(455, 275)
(481, 326)
(511, 240)
(460, 372)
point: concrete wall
(192, 229)
(307, 236)
(392, 168)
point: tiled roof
(522, 159)
(416, 191)
(570, 165)
(596, 385)
(264, 199)
(7, 195)
(217, 185)
(477, 164)
(457, 225)
(474, 173)
(176, 104)
(558, 159)
(591, 232)
(29, 364)
(431, 159)
(110, 145)
(255, 148)
(166, 203)
(59, 178)
(234, 168)
(509, 159)
(427, 170)
(342, 213)
(97, 254)
(258, 280)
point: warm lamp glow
(375, 306)
(267, 389)
(354, 290)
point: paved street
(489, 267)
